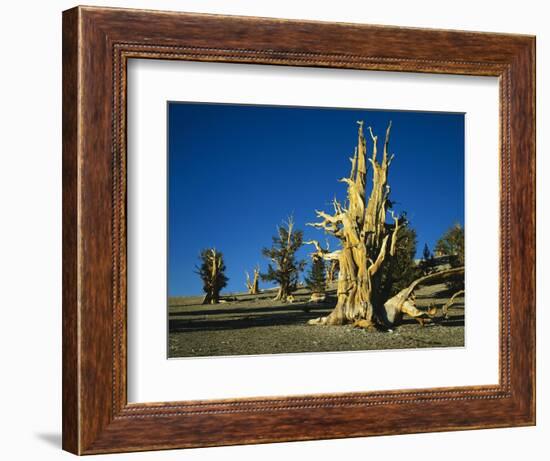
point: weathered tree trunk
(365, 239)
(283, 292)
(253, 285)
(331, 271)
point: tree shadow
(230, 310)
(453, 321)
(296, 316)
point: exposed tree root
(449, 303)
(396, 307)
(404, 302)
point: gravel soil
(251, 325)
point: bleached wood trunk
(253, 285)
(331, 271)
(365, 239)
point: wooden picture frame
(97, 43)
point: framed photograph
(281, 230)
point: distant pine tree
(400, 270)
(316, 278)
(427, 263)
(426, 253)
(212, 273)
(284, 268)
(451, 243)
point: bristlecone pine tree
(316, 278)
(451, 243)
(400, 270)
(253, 285)
(284, 268)
(211, 271)
(367, 242)
(426, 253)
(427, 262)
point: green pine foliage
(427, 262)
(426, 253)
(212, 273)
(316, 277)
(451, 243)
(284, 268)
(400, 270)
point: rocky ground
(255, 324)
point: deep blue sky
(237, 171)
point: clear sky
(237, 171)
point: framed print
(284, 230)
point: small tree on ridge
(284, 268)
(212, 273)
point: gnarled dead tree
(367, 242)
(253, 285)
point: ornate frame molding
(97, 43)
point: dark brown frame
(97, 43)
